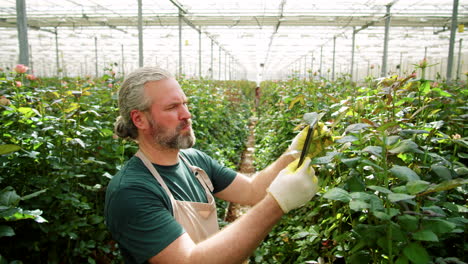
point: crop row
(393, 183)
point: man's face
(169, 117)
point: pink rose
(18, 84)
(20, 68)
(31, 77)
(110, 85)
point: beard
(173, 139)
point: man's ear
(139, 119)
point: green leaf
(32, 195)
(312, 118)
(416, 253)
(358, 205)
(6, 231)
(360, 257)
(395, 197)
(402, 260)
(426, 235)
(346, 139)
(374, 150)
(442, 92)
(405, 146)
(389, 141)
(444, 186)
(356, 127)
(27, 111)
(79, 142)
(351, 163)
(404, 173)
(410, 132)
(337, 194)
(439, 226)
(328, 158)
(8, 197)
(8, 148)
(382, 215)
(379, 189)
(425, 87)
(95, 219)
(408, 222)
(389, 214)
(387, 126)
(417, 186)
(442, 171)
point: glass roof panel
(281, 35)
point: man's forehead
(165, 89)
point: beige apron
(198, 219)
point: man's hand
(293, 187)
(321, 138)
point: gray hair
(132, 96)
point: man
(160, 206)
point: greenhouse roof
(269, 37)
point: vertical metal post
(140, 33)
(453, 31)
(180, 43)
(199, 54)
(321, 59)
(219, 66)
(312, 66)
(230, 62)
(353, 45)
(22, 26)
(123, 61)
(334, 51)
(211, 68)
(385, 51)
(401, 66)
(305, 66)
(96, 56)
(459, 59)
(225, 64)
(57, 60)
(425, 52)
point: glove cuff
(281, 204)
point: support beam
(321, 60)
(334, 53)
(96, 56)
(386, 39)
(140, 33)
(353, 45)
(179, 71)
(211, 68)
(453, 31)
(122, 67)
(459, 59)
(199, 54)
(57, 60)
(22, 26)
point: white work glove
(321, 138)
(293, 187)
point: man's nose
(185, 113)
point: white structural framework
(243, 39)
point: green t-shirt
(138, 211)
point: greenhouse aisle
(246, 167)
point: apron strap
(202, 177)
(153, 171)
